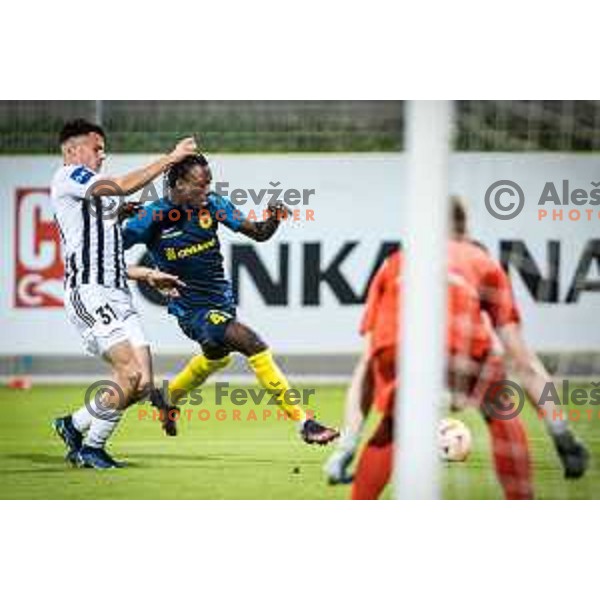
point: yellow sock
(272, 379)
(195, 374)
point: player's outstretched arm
(164, 282)
(534, 377)
(359, 399)
(264, 230)
(135, 180)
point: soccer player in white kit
(97, 299)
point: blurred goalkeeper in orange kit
(483, 335)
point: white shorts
(103, 317)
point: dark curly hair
(183, 167)
(78, 127)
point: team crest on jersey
(205, 220)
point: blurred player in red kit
(483, 322)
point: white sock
(82, 419)
(104, 422)
(556, 426)
(349, 441)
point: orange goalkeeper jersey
(477, 283)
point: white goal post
(421, 356)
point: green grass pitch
(231, 459)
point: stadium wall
(304, 289)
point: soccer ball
(454, 440)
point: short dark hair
(78, 127)
(183, 167)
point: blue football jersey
(184, 241)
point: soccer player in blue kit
(181, 234)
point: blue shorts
(207, 325)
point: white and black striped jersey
(91, 237)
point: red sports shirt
(477, 283)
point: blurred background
(29, 127)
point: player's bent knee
(257, 346)
(134, 376)
(130, 377)
(144, 386)
(243, 339)
(214, 351)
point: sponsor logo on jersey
(82, 175)
(185, 252)
(171, 232)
